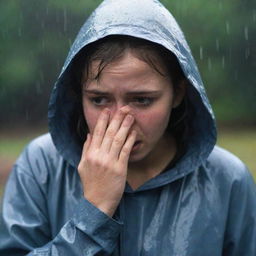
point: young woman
(130, 166)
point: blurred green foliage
(36, 36)
(242, 143)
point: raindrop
(236, 75)
(43, 44)
(42, 25)
(254, 15)
(65, 20)
(223, 62)
(42, 77)
(21, 17)
(56, 17)
(247, 53)
(209, 64)
(246, 33)
(227, 27)
(201, 53)
(19, 32)
(220, 6)
(38, 88)
(217, 44)
(58, 65)
(70, 42)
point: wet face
(134, 85)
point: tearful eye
(143, 101)
(99, 101)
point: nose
(124, 108)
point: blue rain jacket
(204, 205)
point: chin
(137, 156)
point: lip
(136, 145)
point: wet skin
(127, 111)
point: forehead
(127, 70)
(142, 59)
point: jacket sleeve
(25, 228)
(240, 237)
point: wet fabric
(203, 205)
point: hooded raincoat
(204, 205)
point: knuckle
(95, 161)
(98, 161)
(90, 158)
(118, 140)
(81, 167)
(110, 133)
(98, 132)
(106, 163)
(126, 150)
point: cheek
(91, 117)
(153, 122)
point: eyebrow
(97, 92)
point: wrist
(103, 206)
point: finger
(127, 147)
(121, 136)
(86, 144)
(100, 128)
(112, 130)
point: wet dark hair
(112, 48)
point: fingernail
(125, 109)
(129, 118)
(106, 111)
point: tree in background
(36, 35)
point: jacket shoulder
(41, 144)
(43, 141)
(39, 154)
(227, 165)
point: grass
(242, 143)
(12, 147)
(12, 144)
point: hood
(150, 20)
